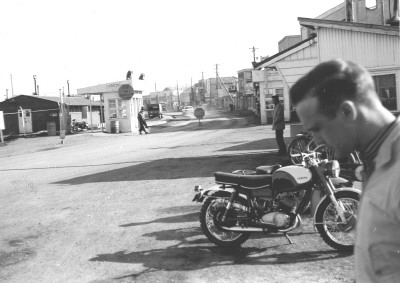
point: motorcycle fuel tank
(291, 178)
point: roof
(71, 100)
(257, 65)
(355, 26)
(331, 11)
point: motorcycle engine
(285, 204)
(288, 202)
(277, 219)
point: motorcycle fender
(338, 181)
(339, 190)
(213, 191)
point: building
(217, 92)
(166, 97)
(121, 104)
(25, 114)
(369, 41)
(246, 93)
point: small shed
(121, 104)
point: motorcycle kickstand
(288, 238)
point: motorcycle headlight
(197, 188)
(332, 167)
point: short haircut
(332, 82)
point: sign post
(2, 126)
(199, 113)
(62, 119)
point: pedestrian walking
(278, 124)
(142, 121)
(337, 102)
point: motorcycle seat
(267, 169)
(244, 181)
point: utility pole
(216, 81)
(177, 91)
(191, 92)
(12, 87)
(62, 120)
(34, 79)
(68, 88)
(254, 53)
(7, 93)
(202, 88)
(155, 89)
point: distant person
(337, 102)
(142, 121)
(231, 106)
(278, 124)
(258, 107)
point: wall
(369, 49)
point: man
(338, 104)
(142, 121)
(278, 124)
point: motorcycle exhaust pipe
(242, 230)
(257, 229)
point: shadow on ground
(256, 145)
(206, 124)
(176, 168)
(194, 252)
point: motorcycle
(79, 126)
(272, 199)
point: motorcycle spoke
(342, 232)
(215, 230)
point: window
(279, 92)
(386, 88)
(270, 92)
(84, 112)
(117, 108)
(122, 108)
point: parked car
(187, 110)
(155, 110)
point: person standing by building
(142, 121)
(337, 102)
(278, 124)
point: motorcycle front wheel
(210, 217)
(298, 146)
(338, 234)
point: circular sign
(125, 91)
(199, 113)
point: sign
(199, 113)
(258, 76)
(2, 121)
(125, 91)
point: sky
(173, 42)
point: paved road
(117, 208)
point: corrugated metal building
(376, 47)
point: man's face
(335, 132)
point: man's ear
(348, 110)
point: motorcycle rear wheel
(339, 236)
(210, 213)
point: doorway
(25, 121)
